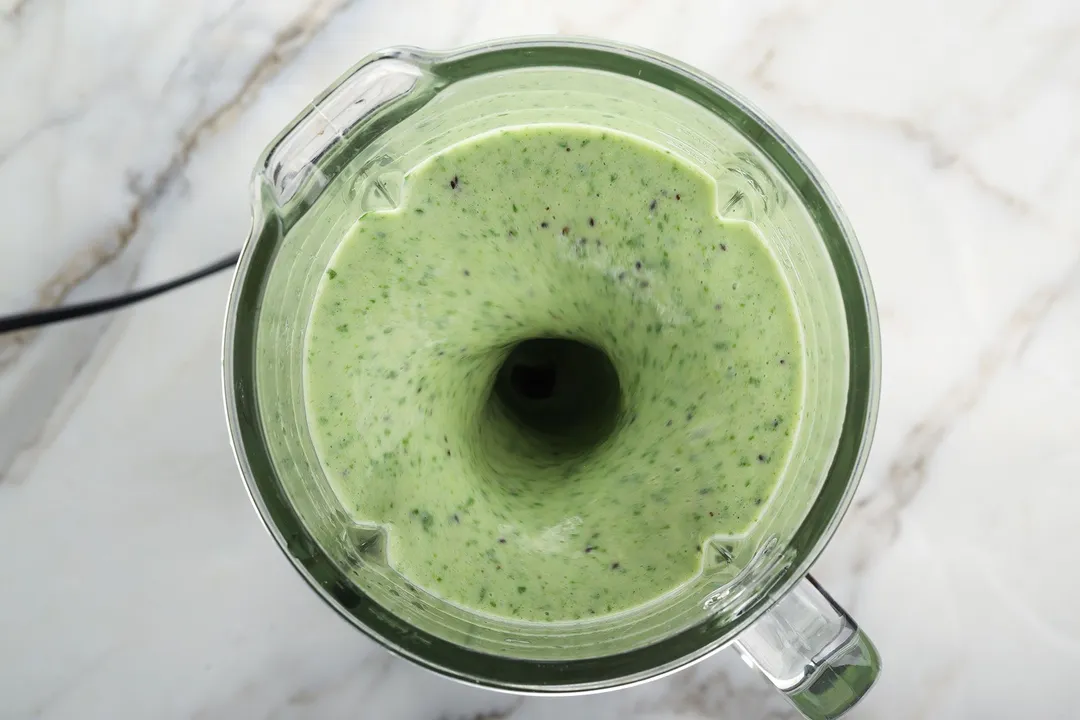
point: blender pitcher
(349, 153)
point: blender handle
(812, 651)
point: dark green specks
(426, 519)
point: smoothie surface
(581, 234)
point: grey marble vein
(701, 692)
(908, 472)
(497, 714)
(940, 154)
(17, 10)
(57, 120)
(288, 42)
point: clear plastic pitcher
(349, 152)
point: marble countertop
(137, 582)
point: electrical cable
(37, 318)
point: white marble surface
(135, 580)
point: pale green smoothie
(553, 373)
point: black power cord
(37, 318)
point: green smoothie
(553, 373)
